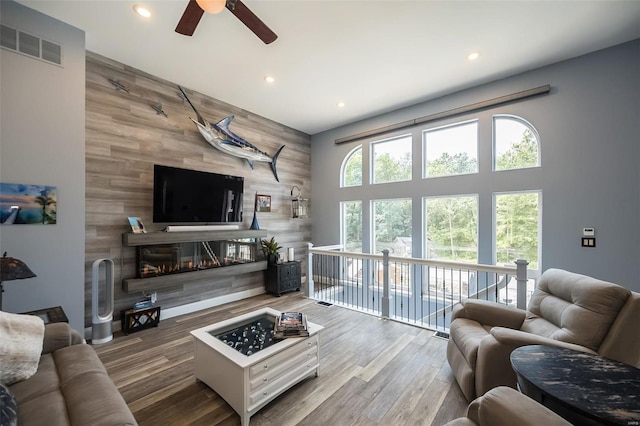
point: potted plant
(270, 249)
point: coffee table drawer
(282, 358)
(269, 376)
(283, 382)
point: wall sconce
(299, 205)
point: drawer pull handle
(265, 379)
(265, 393)
(266, 366)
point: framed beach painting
(23, 204)
(137, 227)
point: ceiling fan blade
(190, 19)
(252, 22)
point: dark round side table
(583, 388)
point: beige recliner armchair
(503, 406)
(566, 309)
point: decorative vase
(254, 222)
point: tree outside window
(517, 227)
(515, 144)
(391, 160)
(451, 150)
(451, 228)
(352, 225)
(352, 168)
(392, 226)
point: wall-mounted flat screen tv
(191, 196)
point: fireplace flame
(153, 266)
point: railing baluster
(385, 284)
(309, 289)
(428, 268)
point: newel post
(385, 284)
(521, 279)
(309, 290)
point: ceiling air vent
(8, 37)
(51, 52)
(30, 45)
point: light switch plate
(588, 242)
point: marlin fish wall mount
(222, 138)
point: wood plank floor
(372, 372)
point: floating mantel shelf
(133, 285)
(131, 240)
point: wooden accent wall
(125, 137)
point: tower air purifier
(101, 327)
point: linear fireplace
(176, 258)
(163, 259)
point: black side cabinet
(283, 277)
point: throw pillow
(21, 337)
(8, 407)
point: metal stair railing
(417, 291)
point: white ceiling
(375, 56)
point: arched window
(351, 170)
(516, 144)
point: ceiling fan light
(212, 6)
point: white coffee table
(249, 382)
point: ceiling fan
(196, 8)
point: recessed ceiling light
(340, 104)
(269, 79)
(142, 11)
(473, 56)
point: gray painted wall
(42, 142)
(589, 127)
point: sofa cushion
(45, 410)
(21, 337)
(8, 407)
(106, 407)
(573, 308)
(44, 381)
(77, 360)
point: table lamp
(12, 269)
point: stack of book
(143, 304)
(291, 324)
